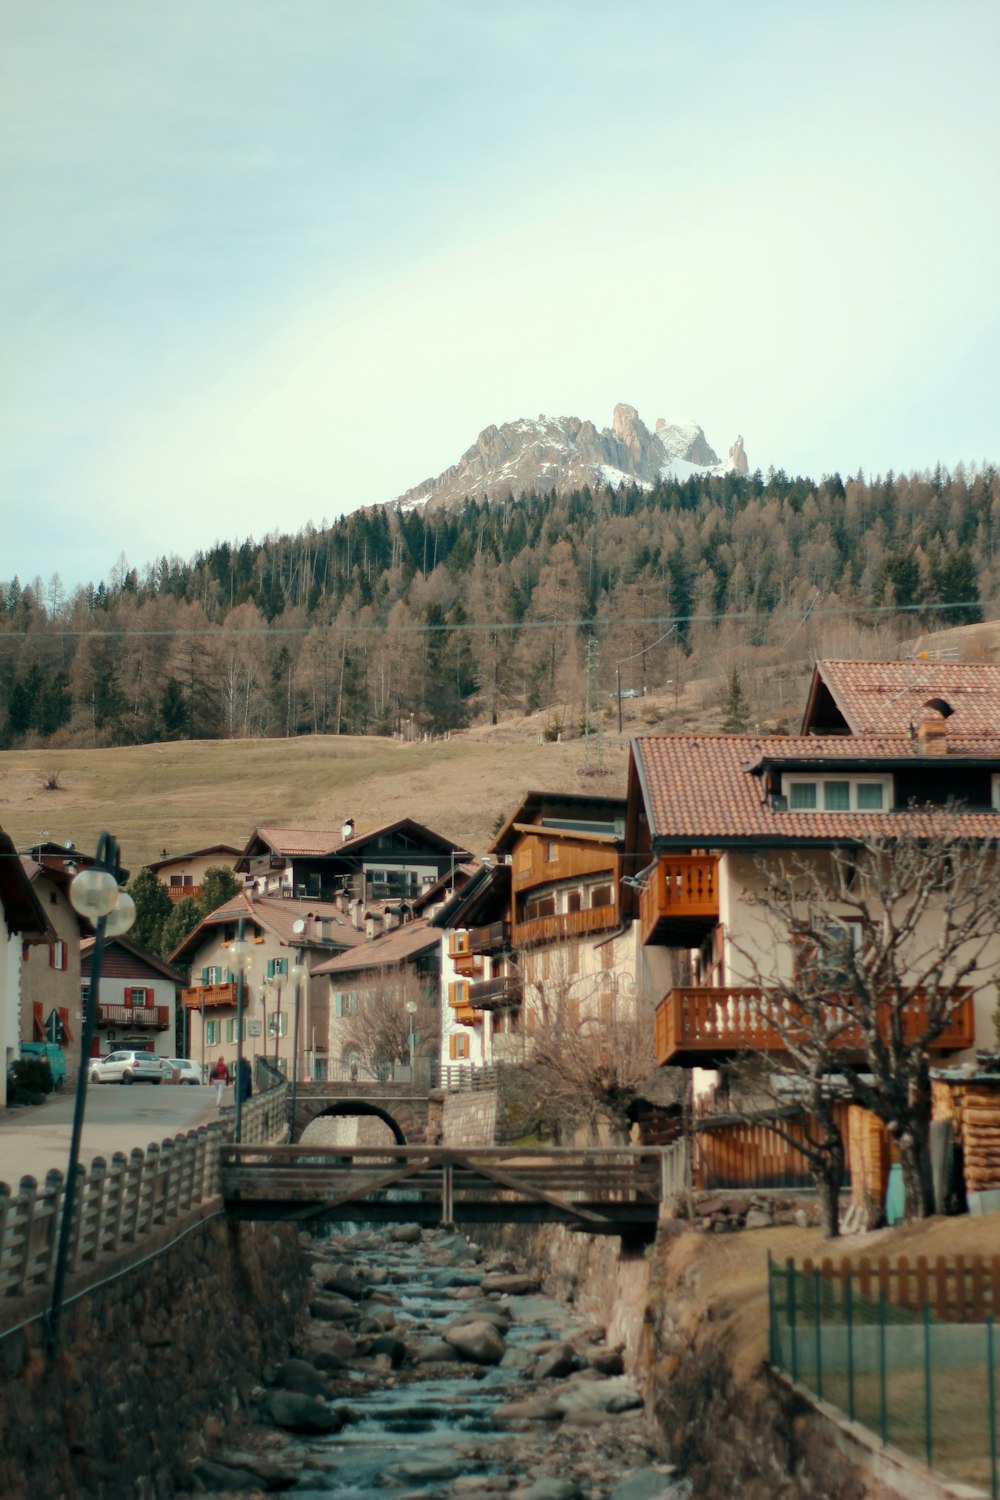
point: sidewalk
(35, 1138)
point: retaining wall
(147, 1358)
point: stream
(442, 1371)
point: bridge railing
(120, 1203)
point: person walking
(220, 1077)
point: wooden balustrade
(121, 1202)
(153, 1017)
(682, 889)
(209, 995)
(565, 924)
(694, 1024)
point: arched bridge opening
(408, 1115)
(353, 1108)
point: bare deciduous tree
(587, 1047)
(379, 1030)
(890, 940)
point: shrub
(29, 1079)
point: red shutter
(149, 996)
(127, 996)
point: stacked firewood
(975, 1109)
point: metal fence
(926, 1385)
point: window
(600, 895)
(551, 852)
(136, 996)
(541, 906)
(345, 1003)
(213, 1033)
(574, 901)
(277, 966)
(838, 794)
(458, 1045)
(232, 1033)
(57, 954)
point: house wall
(10, 986)
(45, 988)
(477, 1038)
(747, 933)
(214, 1035)
(195, 866)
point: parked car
(128, 1067)
(188, 1071)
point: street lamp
(299, 976)
(411, 1010)
(94, 894)
(240, 958)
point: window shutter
(338, 1005)
(270, 968)
(281, 966)
(128, 997)
(204, 976)
(453, 1046)
(149, 996)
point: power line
(473, 627)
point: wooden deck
(599, 1191)
(699, 1027)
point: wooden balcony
(492, 939)
(141, 1017)
(564, 925)
(178, 892)
(496, 994)
(680, 905)
(209, 995)
(703, 1027)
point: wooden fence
(730, 1153)
(958, 1289)
(119, 1204)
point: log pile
(974, 1107)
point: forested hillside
(394, 619)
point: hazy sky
(264, 261)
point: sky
(265, 261)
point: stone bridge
(413, 1117)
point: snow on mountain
(565, 453)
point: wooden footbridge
(607, 1191)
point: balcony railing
(684, 888)
(565, 924)
(495, 994)
(209, 995)
(178, 892)
(153, 1017)
(491, 939)
(695, 1026)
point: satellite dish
(298, 927)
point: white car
(188, 1071)
(128, 1067)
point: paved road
(35, 1139)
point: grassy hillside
(183, 796)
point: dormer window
(837, 793)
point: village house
(50, 974)
(480, 975)
(383, 993)
(136, 1000)
(282, 933)
(395, 862)
(23, 923)
(882, 746)
(182, 874)
(570, 946)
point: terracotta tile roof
(278, 916)
(300, 840)
(700, 789)
(383, 952)
(885, 697)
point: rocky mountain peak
(565, 453)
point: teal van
(55, 1056)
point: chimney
(347, 832)
(932, 734)
(357, 913)
(374, 924)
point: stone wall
(464, 1119)
(149, 1359)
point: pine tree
(736, 711)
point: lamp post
(298, 976)
(240, 958)
(274, 982)
(411, 1010)
(94, 894)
